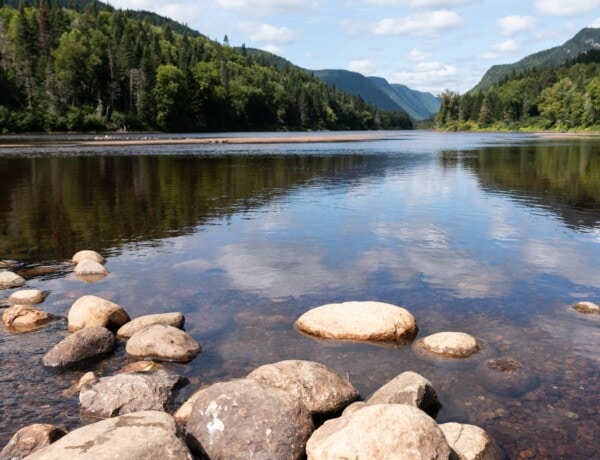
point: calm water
(495, 235)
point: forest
(84, 66)
(561, 98)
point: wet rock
(138, 436)
(408, 388)
(87, 255)
(91, 310)
(469, 442)
(248, 419)
(140, 366)
(125, 393)
(89, 343)
(320, 389)
(355, 406)
(506, 377)
(450, 344)
(26, 297)
(174, 319)
(90, 267)
(587, 308)
(85, 378)
(24, 318)
(164, 343)
(29, 439)
(10, 280)
(374, 322)
(397, 431)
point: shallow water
(491, 234)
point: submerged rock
(174, 319)
(10, 280)
(320, 389)
(248, 419)
(138, 436)
(91, 310)
(26, 297)
(395, 431)
(125, 393)
(89, 343)
(408, 388)
(587, 308)
(24, 318)
(165, 343)
(140, 366)
(506, 377)
(87, 254)
(469, 442)
(374, 322)
(29, 439)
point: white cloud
(428, 76)
(507, 46)
(269, 33)
(363, 66)
(272, 49)
(266, 6)
(416, 55)
(565, 8)
(489, 56)
(595, 23)
(510, 25)
(421, 3)
(419, 24)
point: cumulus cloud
(510, 25)
(363, 66)
(428, 76)
(507, 46)
(595, 23)
(419, 24)
(489, 56)
(273, 49)
(266, 6)
(269, 33)
(421, 3)
(416, 55)
(565, 8)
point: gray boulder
(29, 439)
(320, 389)
(162, 342)
(408, 388)
(469, 442)
(174, 319)
(125, 393)
(89, 343)
(245, 419)
(395, 431)
(138, 436)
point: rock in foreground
(89, 343)
(24, 318)
(26, 297)
(320, 389)
(408, 388)
(245, 419)
(383, 431)
(125, 393)
(373, 322)
(139, 436)
(162, 342)
(469, 442)
(174, 319)
(30, 439)
(91, 310)
(10, 280)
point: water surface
(491, 234)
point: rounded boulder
(163, 343)
(89, 343)
(29, 439)
(469, 442)
(87, 254)
(174, 319)
(91, 310)
(26, 297)
(10, 280)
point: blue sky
(429, 45)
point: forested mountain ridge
(585, 40)
(382, 94)
(100, 68)
(559, 98)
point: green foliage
(95, 68)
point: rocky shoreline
(287, 409)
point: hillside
(585, 40)
(380, 93)
(97, 68)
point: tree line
(96, 68)
(552, 98)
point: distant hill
(585, 40)
(382, 94)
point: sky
(428, 45)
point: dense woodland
(76, 67)
(560, 98)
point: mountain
(585, 40)
(381, 94)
